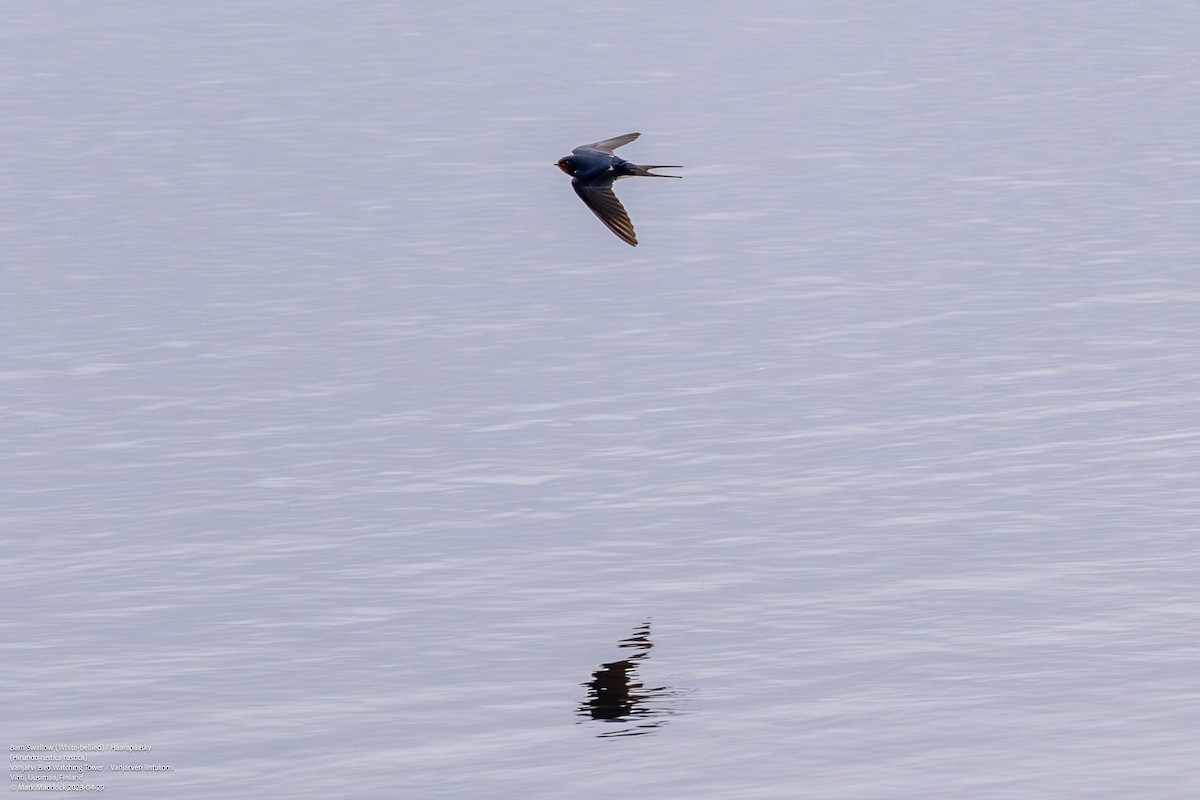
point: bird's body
(593, 169)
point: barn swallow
(593, 168)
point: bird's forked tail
(644, 170)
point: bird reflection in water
(616, 695)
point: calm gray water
(342, 447)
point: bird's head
(567, 165)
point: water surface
(342, 447)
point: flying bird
(593, 168)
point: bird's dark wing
(605, 205)
(608, 145)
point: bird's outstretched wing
(605, 205)
(608, 145)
